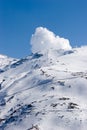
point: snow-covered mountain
(45, 91)
(5, 61)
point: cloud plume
(43, 40)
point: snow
(5, 61)
(45, 91)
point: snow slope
(45, 91)
(5, 61)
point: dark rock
(34, 127)
(72, 105)
(62, 83)
(54, 105)
(36, 56)
(63, 98)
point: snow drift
(43, 40)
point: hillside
(45, 91)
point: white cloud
(43, 40)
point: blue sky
(19, 18)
